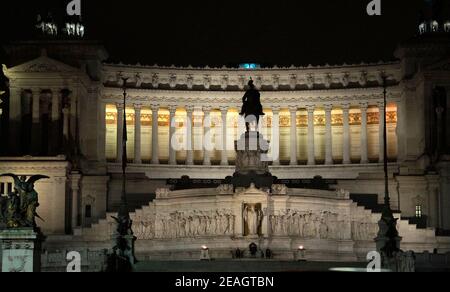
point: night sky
(228, 33)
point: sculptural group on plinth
(252, 163)
(20, 238)
(18, 209)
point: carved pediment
(42, 64)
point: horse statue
(252, 106)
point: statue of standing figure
(19, 208)
(253, 217)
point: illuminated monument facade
(65, 118)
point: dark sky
(219, 32)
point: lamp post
(388, 240)
(124, 241)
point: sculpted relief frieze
(186, 225)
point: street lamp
(124, 233)
(388, 240)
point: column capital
(364, 106)
(293, 109)
(119, 106)
(224, 109)
(276, 109)
(55, 90)
(328, 107)
(155, 107)
(137, 106)
(172, 109)
(345, 106)
(380, 104)
(207, 109)
(311, 108)
(190, 109)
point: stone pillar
(381, 131)
(36, 123)
(190, 135)
(54, 124)
(20, 250)
(276, 135)
(311, 146)
(346, 135)
(224, 156)
(155, 130)
(120, 112)
(137, 134)
(172, 129)
(364, 155)
(56, 97)
(433, 201)
(101, 145)
(328, 136)
(74, 113)
(66, 117)
(293, 111)
(206, 135)
(15, 117)
(401, 130)
(75, 178)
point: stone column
(401, 130)
(328, 136)
(364, 155)
(346, 135)
(74, 113)
(190, 135)
(55, 118)
(381, 131)
(311, 145)
(66, 118)
(276, 134)
(224, 156)
(155, 130)
(137, 134)
(206, 135)
(101, 145)
(293, 111)
(56, 97)
(120, 112)
(15, 117)
(36, 123)
(75, 178)
(172, 129)
(433, 201)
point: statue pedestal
(20, 250)
(252, 163)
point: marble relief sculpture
(186, 225)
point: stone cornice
(268, 98)
(231, 78)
